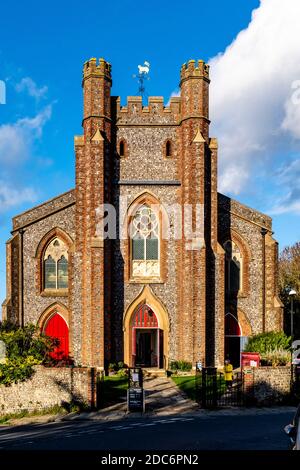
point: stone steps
(153, 372)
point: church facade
(97, 267)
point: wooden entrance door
(57, 328)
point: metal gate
(212, 391)
(295, 385)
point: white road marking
(165, 421)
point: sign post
(135, 392)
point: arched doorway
(233, 334)
(158, 323)
(147, 338)
(58, 328)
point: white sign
(135, 377)
(2, 352)
(253, 364)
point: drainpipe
(264, 233)
(21, 279)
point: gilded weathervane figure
(141, 77)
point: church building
(134, 291)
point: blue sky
(255, 65)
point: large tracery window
(234, 267)
(145, 243)
(56, 265)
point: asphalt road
(217, 432)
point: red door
(57, 328)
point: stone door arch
(146, 303)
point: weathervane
(141, 77)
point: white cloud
(16, 139)
(288, 176)
(17, 142)
(174, 94)
(28, 85)
(252, 108)
(11, 196)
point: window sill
(55, 293)
(146, 280)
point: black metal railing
(213, 392)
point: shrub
(122, 372)
(266, 343)
(183, 366)
(25, 347)
(278, 357)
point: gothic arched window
(56, 265)
(145, 243)
(234, 267)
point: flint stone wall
(48, 387)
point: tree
(289, 272)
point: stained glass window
(56, 265)
(50, 273)
(62, 273)
(145, 243)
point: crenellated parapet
(154, 111)
(92, 68)
(193, 69)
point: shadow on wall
(78, 401)
(115, 354)
(263, 394)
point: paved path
(164, 397)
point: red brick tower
(199, 186)
(194, 136)
(91, 283)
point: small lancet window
(168, 149)
(122, 148)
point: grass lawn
(187, 383)
(114, 389)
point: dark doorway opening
(233, 350)
(143, 348)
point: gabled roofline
(18, 224)
(266, 221)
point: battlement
(193, 69)
(155, 105)
(102, 69)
